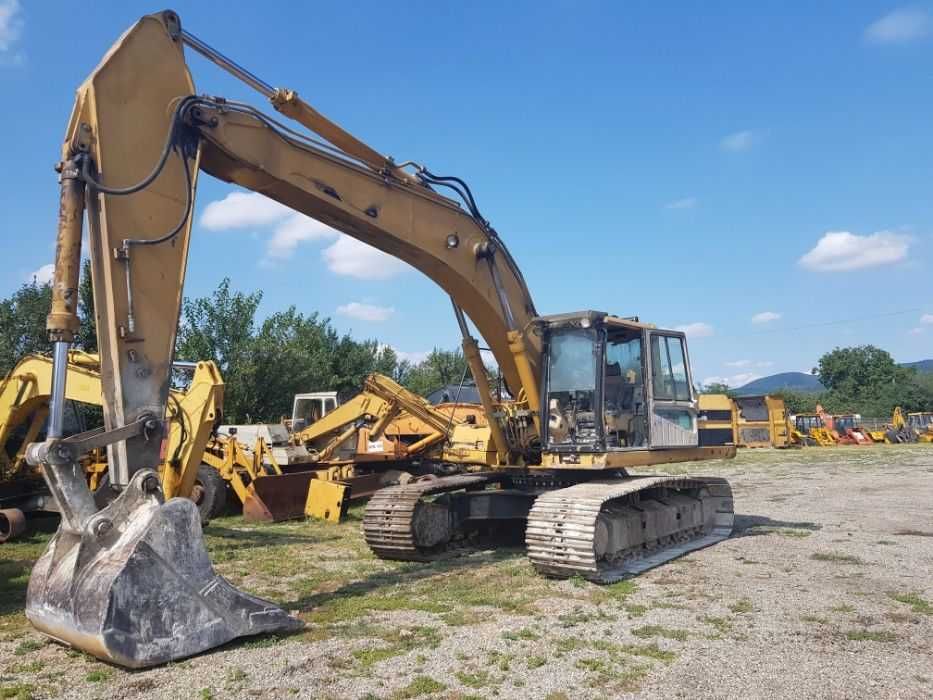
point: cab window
(669, 368)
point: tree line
(264, 363)
(864, 379)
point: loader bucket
(277, 498)
(136, 587)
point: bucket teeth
(140, 590)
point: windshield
(571, 394)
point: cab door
(672, 403)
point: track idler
(135, 586)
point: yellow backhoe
(596, 396)
(383, 435)
(24, 407)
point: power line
(821, 324)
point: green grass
(98, 676)
(28, 646)
(398, 642)
(836, 558)
(647, 631)
(421, 685)
(18, 691)
(741, 606)
(723, 625)
(843, 608)
(26, 667)
(461, 618)
(474, 679)
(523, 634)
(814, 619)
(870, 636)
(917, 603)
(535, 661)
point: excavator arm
(135, 143)
(380, 403)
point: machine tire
(12, 524)
(209, 493)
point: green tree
(866, 380)
(87, 332)
(265, 364)
(220, 328)
(798, 401)
(22, 324)
(438, 369)
(716, 388)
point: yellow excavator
(386, 422)
(24, 407)
(595, 396)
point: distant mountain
(792, 381)
(801, 381)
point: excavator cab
(614, 384)
(309, 408)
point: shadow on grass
(259, 536)
(407, 573)
(756, 525)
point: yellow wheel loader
(596, 396)
(24, 407)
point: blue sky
(759, 173)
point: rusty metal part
(605, 530)
(12, 524)
(136, 587)
(62, 321)
(396, 519)
(276, 498)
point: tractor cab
(614, 384)
(311, 407)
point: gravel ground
(825, 589)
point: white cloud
(365, 312)
(764, 364)
(685, 203)
(345, 256)
(292, 231)
(43, 275)
(415, 357)
(738, 363)
(916, 331)
(698, 329)
(352, 258)
(766, 317)
(740, 140)
(900, 26)
(926, 318)
(11, 28)
(838, 251)
(734, 380)
(243, 210)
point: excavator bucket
(271, 499)
(137, 588)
